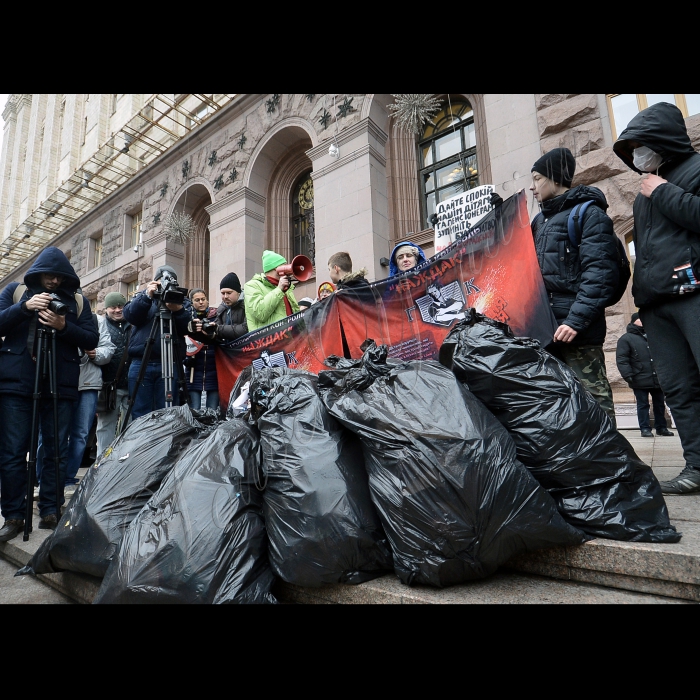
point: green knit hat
(114, 298)
(272, 260)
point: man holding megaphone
(269, 297)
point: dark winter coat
(634, 359)
(17, 368)
(353, 280)
(667, 224)
(230, 321)
(201, 367)
(118, 331)
(140, 312)
(579, 282)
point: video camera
(170, 292)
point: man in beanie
(140, 312)
(116, 371)
(269, 297)
(637, 368)
(580, 280)
(230, 316)
(666, 285)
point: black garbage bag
(236, 408)
(454, 501)
(561, 433)
(320, 519)
(114, 490)
(201, 537)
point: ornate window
(303, 228)
(446, 151)
(134, 238)
(622, 107)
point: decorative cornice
(237, 215)
(242, 193)
(347, 135)
(364, 150)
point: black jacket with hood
(667, 224)
(634, 359)
(17, 368)
(580, 281)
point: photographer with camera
(47, 303)
(162, 295)
(201, 362)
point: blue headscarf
(393, 269)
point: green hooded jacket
(264, 303)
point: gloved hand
(496, 199)
(433, 219)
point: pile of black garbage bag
(114, 490)
(321, 523)
(443, 474)
(201, 537)
(561, 433)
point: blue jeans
(83, 417)
(151, 393)
(13, 454)
(212, 399)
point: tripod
(168, 348)
(45, 367)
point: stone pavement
(600, 571)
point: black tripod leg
(34, 436)
(181, 380)
(53, 386)
(142, 372)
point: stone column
(28, 197)
(17, 156)
(236, 236)
(70, 139)
(350, 199)
(9, 115)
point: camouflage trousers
(588, 363)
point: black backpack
(574, 229)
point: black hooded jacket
(667, 224)
(634, 359)
(17, 368)
(580, 281)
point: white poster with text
(458, 214)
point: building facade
(100, 177)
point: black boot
(11, 529)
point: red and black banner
(493, 269)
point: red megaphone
(301, 267)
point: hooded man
(666, 286)
(637, 368)
(579, 280)
(405, 256)
(269, 297)
(51, 275)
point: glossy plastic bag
(201, 537)
(454, 501)
(320, 519)
(561, 433)
(114, 490)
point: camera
(208, 327)
(57, 306)
(169, 291)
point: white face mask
(646, 160)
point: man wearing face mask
(666, 284)
(580, 280)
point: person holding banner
(341, 274)
(579, 279)
(405, 256)
(269, 297)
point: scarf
(287, 305)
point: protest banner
(456, 215)
(493, 269)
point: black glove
(433, 219)
(496, 199)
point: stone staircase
(600, 571)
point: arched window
(445, 152)
(303, 229)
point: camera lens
(57, 306)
